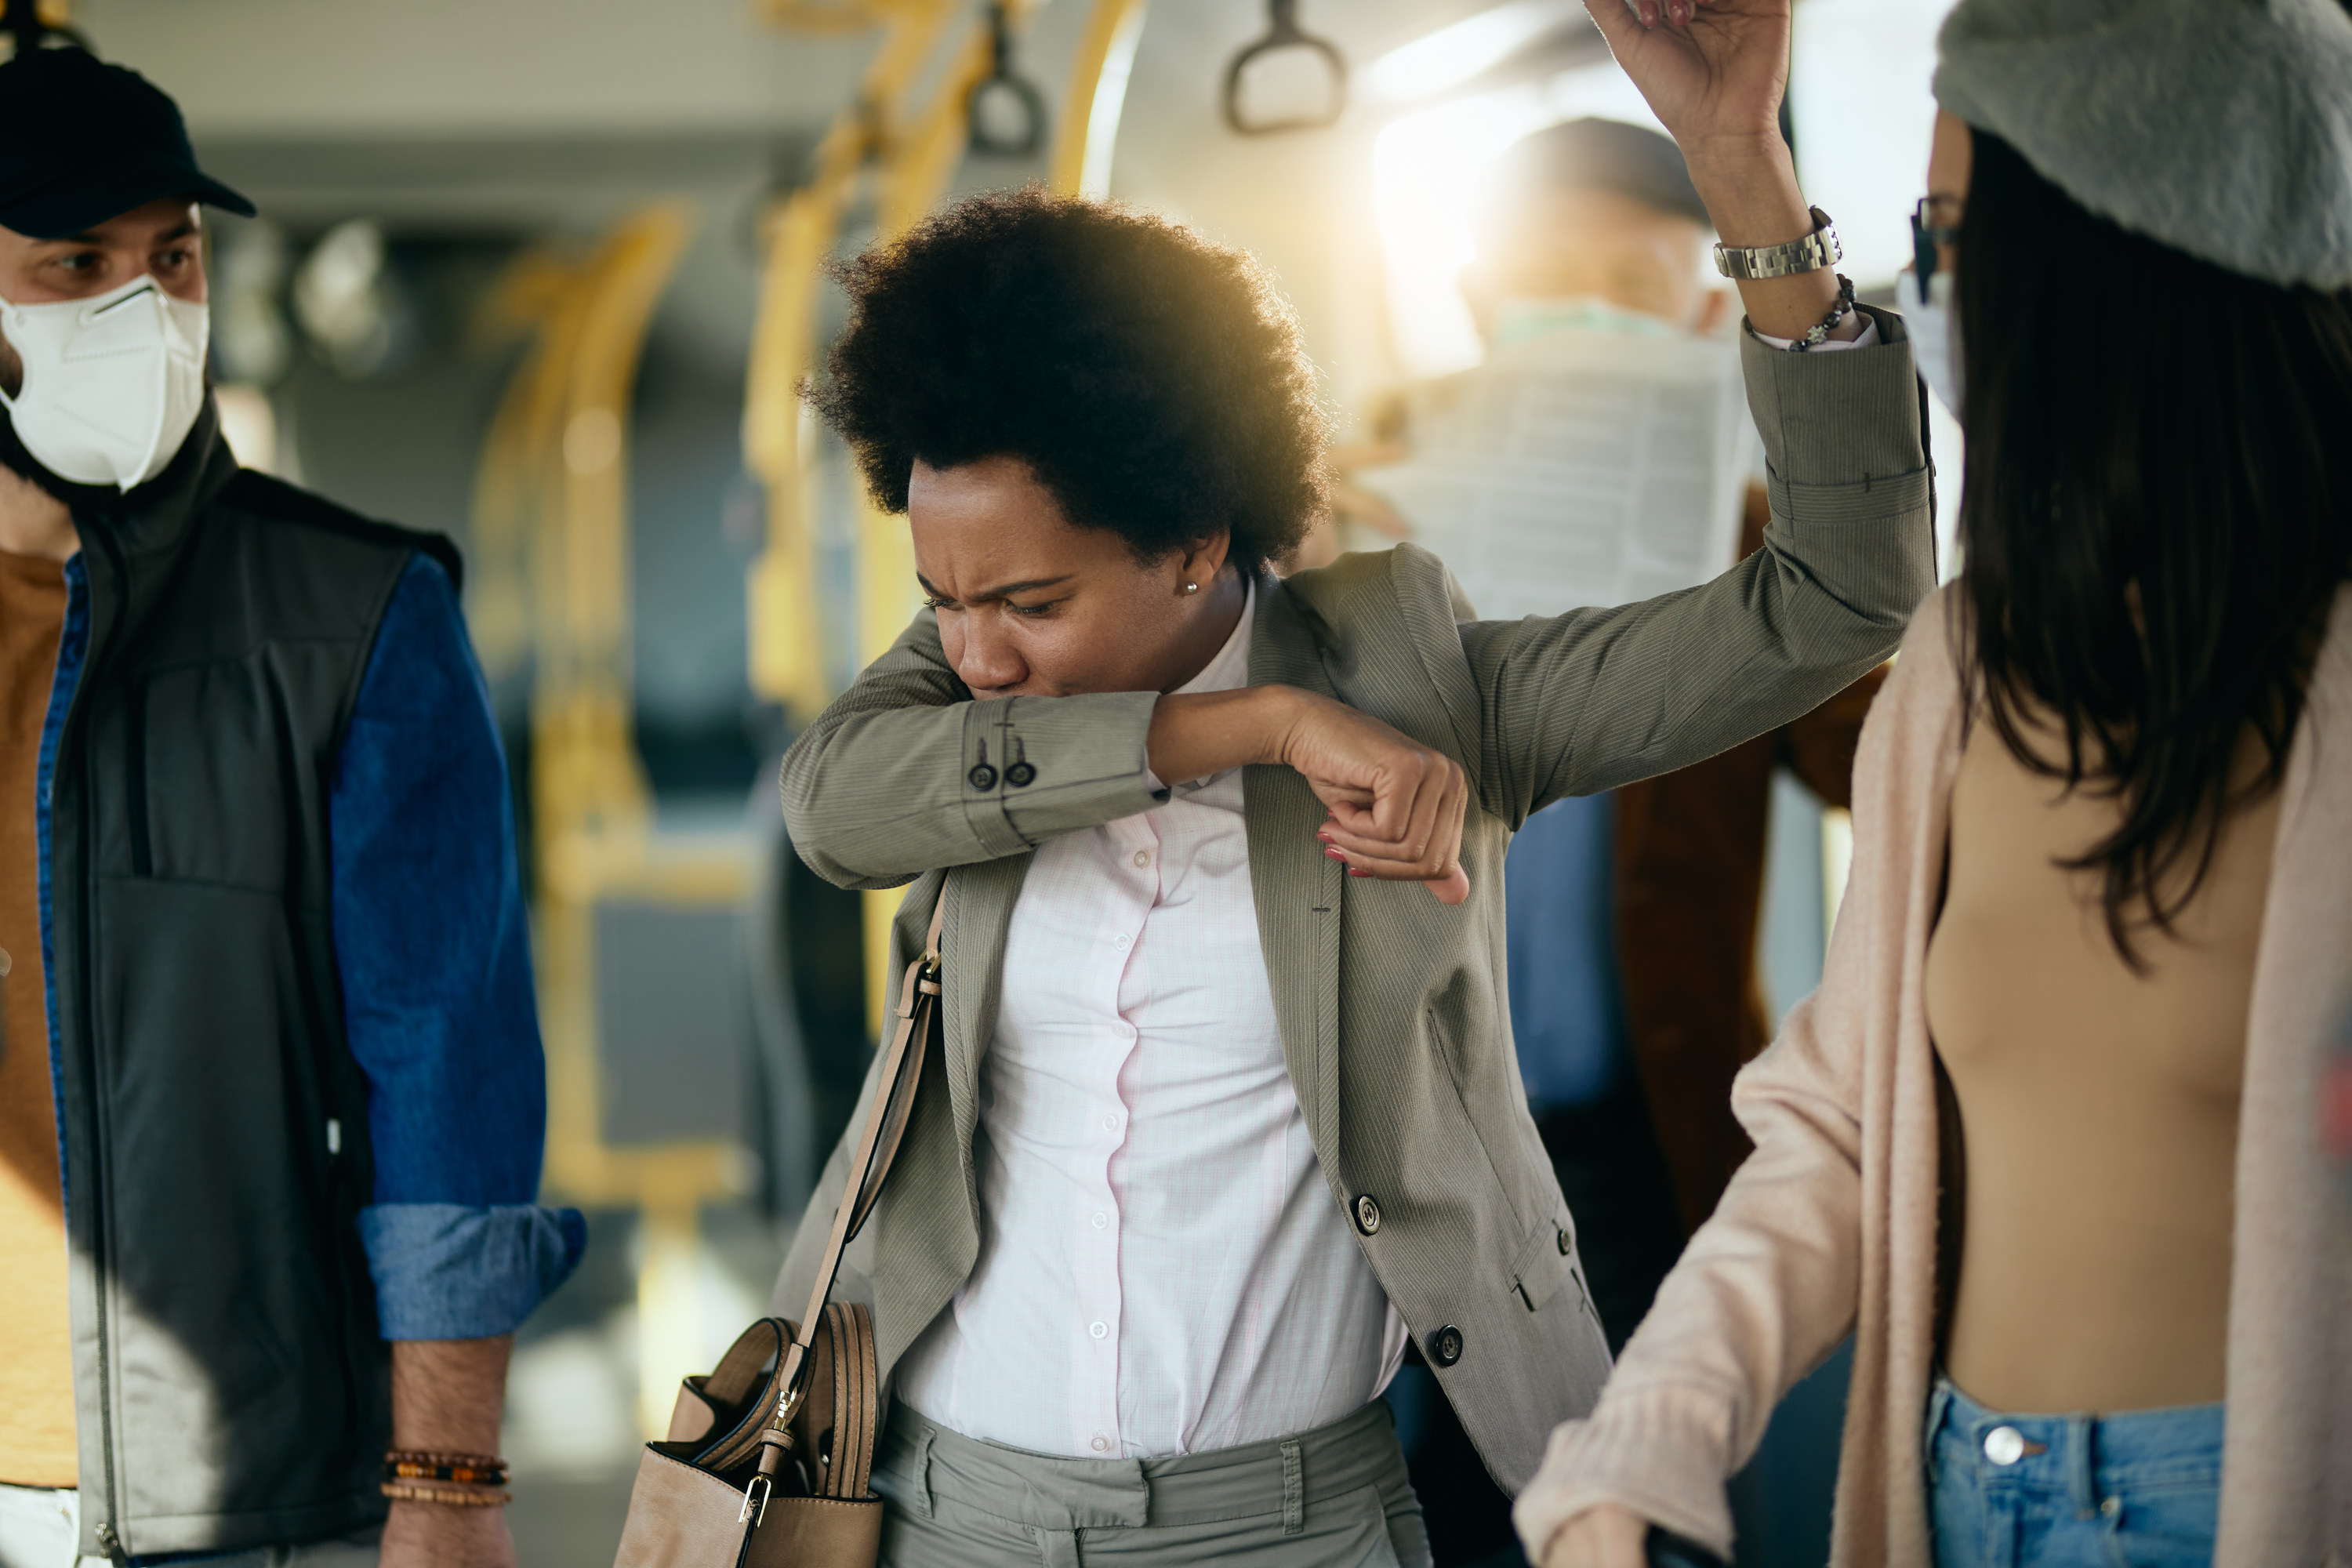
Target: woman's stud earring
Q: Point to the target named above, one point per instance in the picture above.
(1191, 587)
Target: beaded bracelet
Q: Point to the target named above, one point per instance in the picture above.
(1839, 309)
(471, 1469)
(404, 1491)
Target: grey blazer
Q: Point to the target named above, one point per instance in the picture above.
(1392, 1008)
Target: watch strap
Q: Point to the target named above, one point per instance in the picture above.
(1810, 254)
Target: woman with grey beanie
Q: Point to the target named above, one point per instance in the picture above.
(2044, 1141)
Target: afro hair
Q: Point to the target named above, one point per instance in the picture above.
(1156, 383)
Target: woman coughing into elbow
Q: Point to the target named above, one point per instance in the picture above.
(1229, 1114)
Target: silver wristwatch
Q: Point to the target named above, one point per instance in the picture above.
(1814, 252)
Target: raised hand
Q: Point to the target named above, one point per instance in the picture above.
(1711, 69)
(1714, 71)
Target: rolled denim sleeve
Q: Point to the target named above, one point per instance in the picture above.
(434, 960)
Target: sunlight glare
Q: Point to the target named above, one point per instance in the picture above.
(1426, 169)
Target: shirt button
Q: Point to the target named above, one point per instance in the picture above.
(1143, 857)
(1367, 1215)
(2004, 1445)
(1102, 1444)
(1121, 941)
(1101, 1220)
(1110, 1123)
(1098, 1329)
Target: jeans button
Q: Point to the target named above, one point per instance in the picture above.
(2004, 1445)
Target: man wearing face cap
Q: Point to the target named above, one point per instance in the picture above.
(271, 1098)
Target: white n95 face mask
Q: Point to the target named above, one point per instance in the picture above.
(112, 385)
(1935, 333)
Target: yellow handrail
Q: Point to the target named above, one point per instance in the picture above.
(1084, 140)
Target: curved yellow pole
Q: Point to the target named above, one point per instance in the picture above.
(1088, 130)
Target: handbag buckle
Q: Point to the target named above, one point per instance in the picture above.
(755, 1501)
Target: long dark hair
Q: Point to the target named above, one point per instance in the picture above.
(2156, 515)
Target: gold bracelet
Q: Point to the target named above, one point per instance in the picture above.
(456, 1497)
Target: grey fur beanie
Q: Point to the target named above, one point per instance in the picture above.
(2221, 127)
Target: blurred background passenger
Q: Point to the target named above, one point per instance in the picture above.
(2043, 1140)
(1632, 914)
(270, 1085)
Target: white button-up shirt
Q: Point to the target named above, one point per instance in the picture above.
(1162, 1269)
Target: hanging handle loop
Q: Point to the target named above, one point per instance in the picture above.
(1283, 32)
(1003, 82)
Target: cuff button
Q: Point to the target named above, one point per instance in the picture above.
(1020, 776)
(981, 776)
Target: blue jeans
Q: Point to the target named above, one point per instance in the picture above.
(2137, 1490)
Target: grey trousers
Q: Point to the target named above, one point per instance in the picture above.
(1333, 1497)
(40, 1527)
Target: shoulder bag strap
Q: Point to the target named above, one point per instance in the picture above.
(878, 1146)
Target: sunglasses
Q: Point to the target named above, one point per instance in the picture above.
(1925, 236)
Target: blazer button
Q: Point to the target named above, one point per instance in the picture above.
(981, 776)
(1020, 776)
(1367, 1215)
(1446, 1345)
(1565, 1243)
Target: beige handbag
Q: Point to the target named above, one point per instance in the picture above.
(768, 1458)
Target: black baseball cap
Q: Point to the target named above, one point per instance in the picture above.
(82, 141)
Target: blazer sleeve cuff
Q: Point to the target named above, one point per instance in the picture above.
(1036, 767)
(1840, 431)
(1662, 1452)
(451, 1271)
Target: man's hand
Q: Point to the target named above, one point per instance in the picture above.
(442, 1535)
(1602, 1536)
(446, 1399)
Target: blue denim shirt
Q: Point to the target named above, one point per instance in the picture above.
(433, 957)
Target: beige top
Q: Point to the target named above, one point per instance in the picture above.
(1830, 1226)
(2098, 1104)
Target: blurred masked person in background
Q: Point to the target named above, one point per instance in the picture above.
(1600, 455)
(2043, 1141)
(270, 1085)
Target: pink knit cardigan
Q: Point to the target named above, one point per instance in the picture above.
(1830, 1226)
